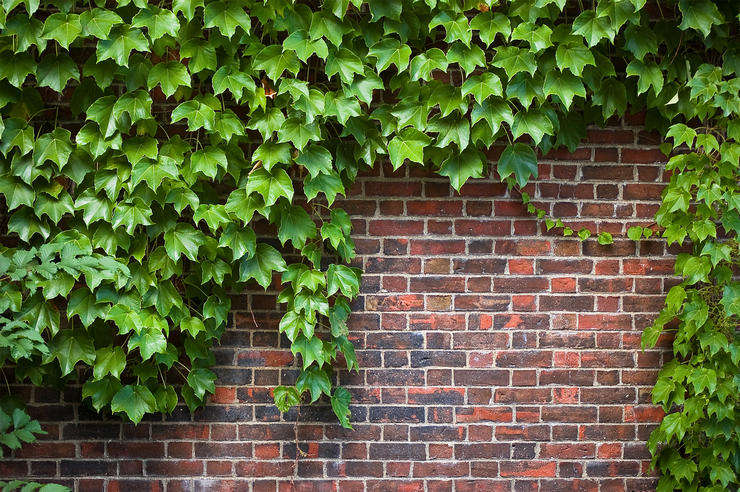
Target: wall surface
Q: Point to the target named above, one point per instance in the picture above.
(494, 356)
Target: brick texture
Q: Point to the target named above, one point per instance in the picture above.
(494, 356)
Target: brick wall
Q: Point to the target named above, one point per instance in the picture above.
(494, 356)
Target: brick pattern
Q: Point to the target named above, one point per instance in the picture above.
(495, 356)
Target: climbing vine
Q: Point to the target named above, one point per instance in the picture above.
(143, 145)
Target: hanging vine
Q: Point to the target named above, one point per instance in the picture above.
(141, 143)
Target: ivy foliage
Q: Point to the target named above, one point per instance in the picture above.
(142, 144)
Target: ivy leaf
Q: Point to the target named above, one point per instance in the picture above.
(98, 22)
(481, 86)
(514, 60)
(294, 323)
(241, 241)
(460, 167)
(63, 28)
(340, 405)
(137, 148)
(187, 7)
(455, 25)
(208, 160)
(731, 299)
(120, 45)
(286, 397)
(126, 318)
(101, 112)
(270, 153)
(201, 55)
(389, 52)
(109, 360)
(202, 381)
(345, 63)
(681, 134)
(424, 64)
(296, 225)
(565, 85)
(149, 341)
(226, 17)
(520, 160)
(183, 239)
(409, 144)
(233, 80)
(299, 132)
(311, 350)
(260, 266)
(83, 304)
(489, 25)
(16, 68)
(538, 37)
(199, 115)
(136, 104)
(134, 401)
(574, 58)
(214, 215)
(70, 347)
(700, 15)
(593, 27)
(315, 381)
(158, 22)
(170, 75)
(316, 159)
(271, 186)
(154, 172)
(101, 392)
(329, 184)
(451, 129)
(649, 75)
(533, 123)
(55, 71)
(54, 146)
(274, 61)
(343, 278)
(492, 111)
(16, 192)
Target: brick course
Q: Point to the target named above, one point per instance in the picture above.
(494, 355)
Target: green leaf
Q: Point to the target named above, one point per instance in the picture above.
(101, 392)
(286, 397)
(538, 37)
(593, 27)
(490, 24)
(574, 58)
(64, 28)
(345, 63)
(214, 215)
(134, 401)
(520, 160)
(315, 381)
(82, 303)
(424, 64)
(460, 167)
(328, 184)
(226, 17)
(154, 172)
(389, 52)
(296, 225)
(311, 350)
(241, 241)
(274, 61)
(16, 68)
(98, 22)
(455, 25)
(700, 15)
(235, 81)
(316, 159)
(183, 239)
(121, 43)
(70, 347)
(293, 323)
(649, 75)
(54, 146)
(731, 299)
(56, 71)
(170, 75)
(343, 278)
(271, 153)
(158, 22)
(533, 123)
(481, 86)
(514, 60)
(299, 132)
(109, 360)
(681, 134)
(605, 238)
(340, 405)
(202, 381)
(260, 266)
(137, 148)
(493, 112)
(409, 144)
(198, 115)
(149, 341)
(208, 160)
(565, 85)
(271, 186)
